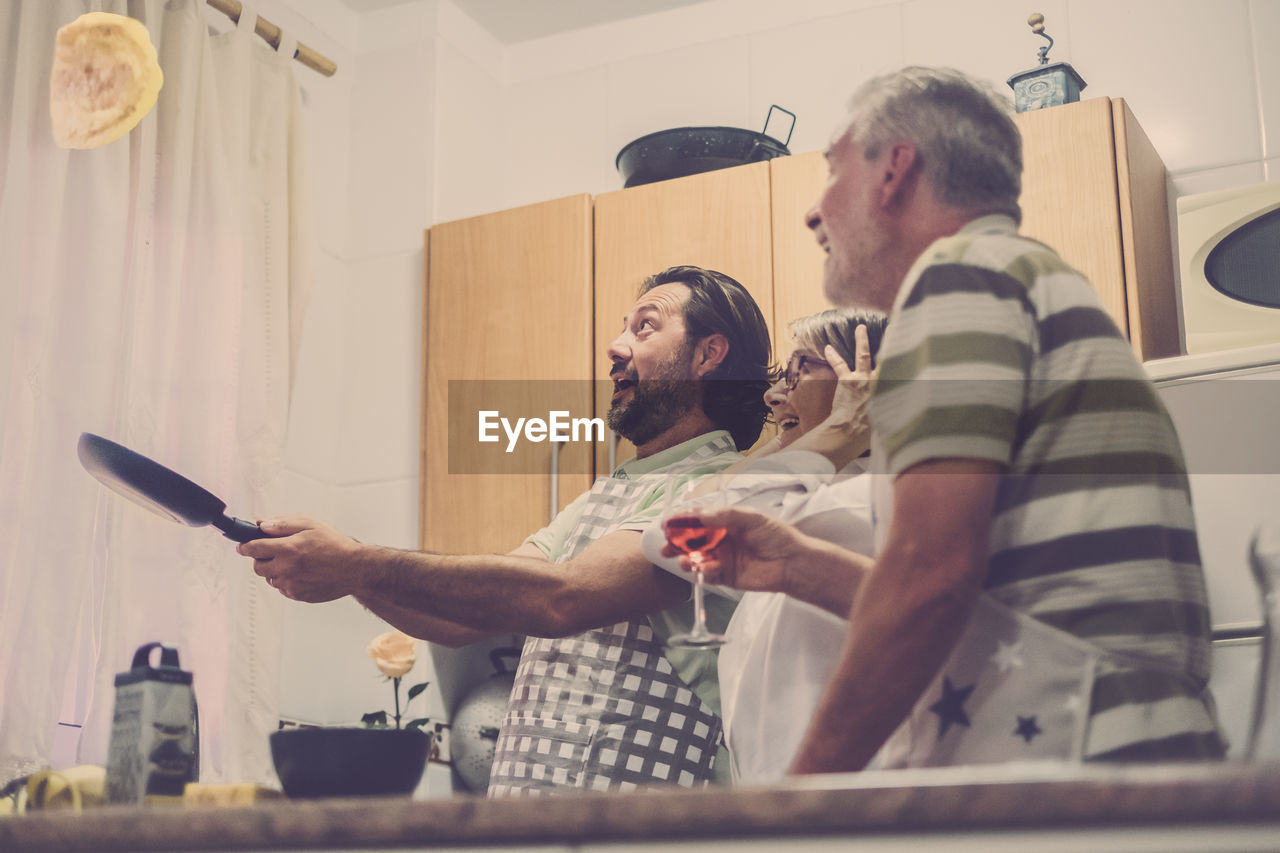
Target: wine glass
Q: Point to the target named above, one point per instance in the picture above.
(696, 540)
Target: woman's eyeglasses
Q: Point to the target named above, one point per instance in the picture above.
(795, 364)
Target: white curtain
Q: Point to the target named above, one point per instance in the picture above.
(152, 292)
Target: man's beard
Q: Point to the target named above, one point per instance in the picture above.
(658, 403)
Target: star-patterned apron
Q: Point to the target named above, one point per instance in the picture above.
(1017, 689)
(604, 710)
(1014, 689)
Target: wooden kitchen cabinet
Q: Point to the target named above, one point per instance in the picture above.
(1093, 188)
(508, 318)
(718, 220)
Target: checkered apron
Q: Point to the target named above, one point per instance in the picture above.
(604, 710)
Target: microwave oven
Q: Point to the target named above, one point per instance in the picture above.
(1229, 259)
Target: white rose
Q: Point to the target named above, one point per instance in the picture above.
(393, 652)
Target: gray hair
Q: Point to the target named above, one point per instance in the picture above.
(970, 149)
(835, 326)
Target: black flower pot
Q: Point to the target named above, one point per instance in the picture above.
(349, 762)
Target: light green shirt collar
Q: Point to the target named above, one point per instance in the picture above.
(634, 468)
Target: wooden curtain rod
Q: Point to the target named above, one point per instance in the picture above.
(271, 34)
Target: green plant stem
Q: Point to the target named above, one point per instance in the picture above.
(397, 692)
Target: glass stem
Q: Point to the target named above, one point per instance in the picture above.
(699, 606)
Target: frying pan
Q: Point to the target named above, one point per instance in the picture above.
(160, 490)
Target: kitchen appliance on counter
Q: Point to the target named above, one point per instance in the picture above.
(685, 151)
(154, 750)
(474, 730)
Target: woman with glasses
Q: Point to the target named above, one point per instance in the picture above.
(802, 397)
(781, 650)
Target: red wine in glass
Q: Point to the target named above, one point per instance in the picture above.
(694, 538)
(689, 534)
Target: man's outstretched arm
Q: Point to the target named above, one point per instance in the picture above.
(484, 594)
(418, 624)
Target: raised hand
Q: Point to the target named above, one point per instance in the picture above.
(849, 406)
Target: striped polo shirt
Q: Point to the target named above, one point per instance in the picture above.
(998, 350)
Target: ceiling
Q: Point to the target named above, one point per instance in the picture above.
(512, 21)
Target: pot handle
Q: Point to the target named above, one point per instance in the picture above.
(792, 130)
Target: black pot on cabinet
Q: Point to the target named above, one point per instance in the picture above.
(686, 151)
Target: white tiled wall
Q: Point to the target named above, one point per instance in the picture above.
(392, 114)
(1187, 69)
(378, 438)
(707, 85)
(471, 131)
(555, 127)
(1198, 73)
(312, 439)
(988, 39)
(430, 119)
(803, 67)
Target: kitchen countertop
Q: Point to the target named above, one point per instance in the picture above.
(1221, 797)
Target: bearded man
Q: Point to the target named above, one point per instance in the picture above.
(599, 703)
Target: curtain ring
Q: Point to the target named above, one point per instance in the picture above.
(288, 47)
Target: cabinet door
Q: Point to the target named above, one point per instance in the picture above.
(1069, 193)
(1146, 239)
(717, 220)
(1094, 189)
(508, 329)
(797, 257)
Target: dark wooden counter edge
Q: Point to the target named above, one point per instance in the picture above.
(1183, 795)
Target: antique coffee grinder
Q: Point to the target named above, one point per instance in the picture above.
(1050, 84)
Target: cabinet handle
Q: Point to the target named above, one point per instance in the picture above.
(555, 478)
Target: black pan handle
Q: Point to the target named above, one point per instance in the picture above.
(239, 530)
